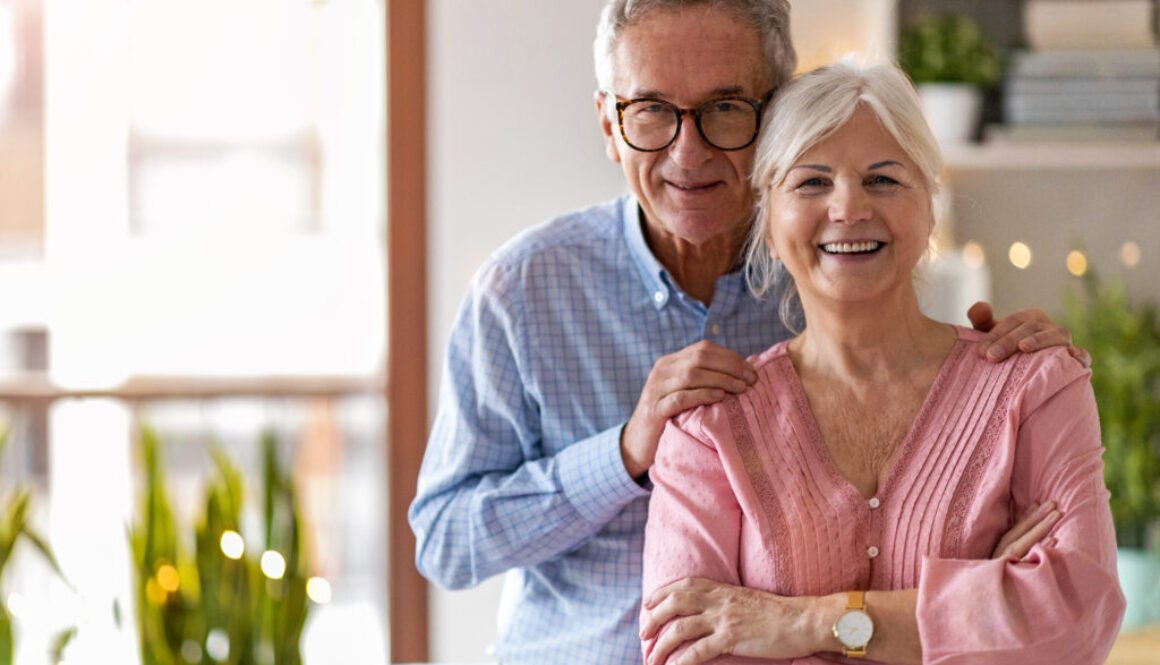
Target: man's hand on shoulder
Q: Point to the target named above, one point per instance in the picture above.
(701, 373)
(1026, 330)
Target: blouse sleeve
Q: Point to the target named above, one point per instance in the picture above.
(694, 517)
(1059, 604)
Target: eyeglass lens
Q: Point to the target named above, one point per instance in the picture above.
(727, 124)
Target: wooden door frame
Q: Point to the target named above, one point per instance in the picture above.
(406, 386)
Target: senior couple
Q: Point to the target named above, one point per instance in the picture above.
(878, 485)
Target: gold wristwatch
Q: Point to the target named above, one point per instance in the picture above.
(855, 627)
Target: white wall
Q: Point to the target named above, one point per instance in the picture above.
(513, 140)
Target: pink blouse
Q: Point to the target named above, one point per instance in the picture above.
(746, 493)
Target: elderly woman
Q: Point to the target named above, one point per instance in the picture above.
(851, 500)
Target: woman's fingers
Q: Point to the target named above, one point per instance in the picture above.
(1036, 523)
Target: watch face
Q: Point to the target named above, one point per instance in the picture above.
(854, 629)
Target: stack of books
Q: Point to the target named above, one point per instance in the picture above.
(1092, 71)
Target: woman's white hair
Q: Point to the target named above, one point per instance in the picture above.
(770, 18)
(805, 112)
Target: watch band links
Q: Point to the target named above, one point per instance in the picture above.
(855, 600)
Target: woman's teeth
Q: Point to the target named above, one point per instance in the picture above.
(851, 247)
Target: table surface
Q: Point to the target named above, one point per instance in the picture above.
(1141, 647)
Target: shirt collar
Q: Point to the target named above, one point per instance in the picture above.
(652, 273)
(657, 280)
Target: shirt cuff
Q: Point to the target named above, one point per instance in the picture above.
(594, 479)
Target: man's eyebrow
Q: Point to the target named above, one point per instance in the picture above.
(726, 91)
(885, 162)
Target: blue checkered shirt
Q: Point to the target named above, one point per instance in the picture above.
(523, 474)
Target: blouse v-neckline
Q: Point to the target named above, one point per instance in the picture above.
(903, 453)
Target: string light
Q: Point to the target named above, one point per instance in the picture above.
(1130, 254)
(1076, 263)
(1020, 255)
(973, 254)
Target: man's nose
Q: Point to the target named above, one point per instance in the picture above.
(690, 149)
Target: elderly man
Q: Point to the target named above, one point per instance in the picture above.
(580, 338)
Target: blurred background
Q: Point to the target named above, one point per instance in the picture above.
(194, 223)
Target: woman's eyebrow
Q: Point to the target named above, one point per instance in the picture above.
(815, 167)
(888, 162)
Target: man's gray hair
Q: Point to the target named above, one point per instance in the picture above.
(804, 113)
(770, 18)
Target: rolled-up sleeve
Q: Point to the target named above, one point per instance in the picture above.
(1059, 604)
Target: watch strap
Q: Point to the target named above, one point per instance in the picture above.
(855, 600)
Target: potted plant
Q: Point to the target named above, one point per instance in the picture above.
(15, 528)
(220, 599)
(1124, 341)
(951, 62)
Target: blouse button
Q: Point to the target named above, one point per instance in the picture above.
(716, 329)
(873, 551)
(874, 502)
(659, 296)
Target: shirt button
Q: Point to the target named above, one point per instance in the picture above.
(659, 296)
(874, 502)
(873, 551)
(716, 329)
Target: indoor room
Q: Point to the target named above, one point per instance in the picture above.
(236, 238)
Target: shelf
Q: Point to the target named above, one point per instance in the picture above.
(1077, 155)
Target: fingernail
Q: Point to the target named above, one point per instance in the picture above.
(1050, 542)
(994, 353)
(1053, 516)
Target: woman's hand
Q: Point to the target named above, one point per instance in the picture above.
(1031, 529)
(714, 619)
(1026, 330)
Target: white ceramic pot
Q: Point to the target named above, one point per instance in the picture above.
(1139, 572)
(953, 110)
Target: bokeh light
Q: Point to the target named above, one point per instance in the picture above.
(273, 565)
(167, 578)
(1076, 263)
(318, 590)
(1020, 255)
(1130, 254)
(232, 544)
(973, 255)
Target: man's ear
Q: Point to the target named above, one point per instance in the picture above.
(606, 113)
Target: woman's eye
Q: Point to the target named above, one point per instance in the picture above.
(881, 180)
(811, 182)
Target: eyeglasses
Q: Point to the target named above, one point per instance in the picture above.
(726, 123)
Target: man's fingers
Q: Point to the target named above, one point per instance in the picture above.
(1081, 354)
(982, 316)
(674, 403)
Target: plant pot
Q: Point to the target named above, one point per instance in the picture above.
(1140, 579)
(953, 110)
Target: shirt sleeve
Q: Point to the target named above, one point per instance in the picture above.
(694, 517)
(488, 498)
(1058, 604)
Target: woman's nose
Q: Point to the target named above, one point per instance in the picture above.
(849, 204)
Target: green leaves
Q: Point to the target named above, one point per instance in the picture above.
(223, 608)
(14, 529)
(948, 48)
(1124, 341)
